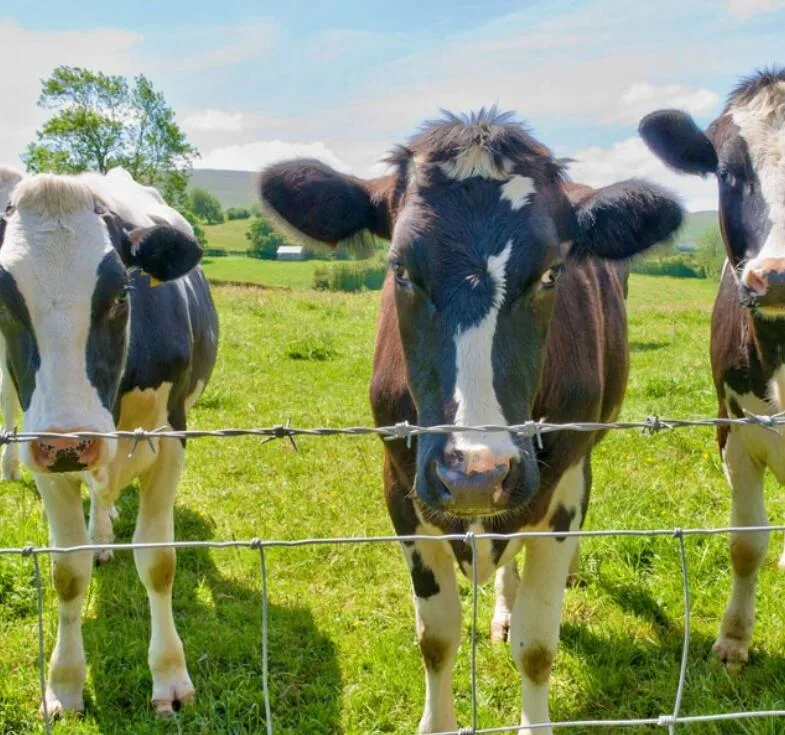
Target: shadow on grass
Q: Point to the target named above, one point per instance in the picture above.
(635, 676)
(647, 346)
(218, 615)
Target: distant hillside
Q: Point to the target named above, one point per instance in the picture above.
(231, 188)
(696, 224)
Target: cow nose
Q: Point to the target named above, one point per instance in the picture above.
(766, 280)
(475, 483)
(65, 455)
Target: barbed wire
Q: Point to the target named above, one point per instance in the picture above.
(650, 426)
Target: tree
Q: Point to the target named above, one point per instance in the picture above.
(203, 204)
(264, 240)
(101, 121)
(710, 252)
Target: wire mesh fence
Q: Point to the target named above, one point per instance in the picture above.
(405, 431)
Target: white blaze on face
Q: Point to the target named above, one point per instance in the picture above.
(761, 124)
(475, 397)
(52, 250)
(517, 191)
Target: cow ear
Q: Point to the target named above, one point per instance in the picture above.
(674, 138)
(623, 219)
(163, 252)
(316, 204)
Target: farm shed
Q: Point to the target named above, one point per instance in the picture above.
(290, 252)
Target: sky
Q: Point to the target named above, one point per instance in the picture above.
(253, 82)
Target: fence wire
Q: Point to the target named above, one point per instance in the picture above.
(405, 431)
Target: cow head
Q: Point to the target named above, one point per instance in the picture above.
(480, 229)
(745, 149)
(65, 307)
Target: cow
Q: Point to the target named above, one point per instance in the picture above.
(744, 148)
(501, 305)
(109, 325)
(9, 404)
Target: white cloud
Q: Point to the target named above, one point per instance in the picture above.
(214, 121)
(256, 155)
(630, 158)
(748, 8)
(642, 97)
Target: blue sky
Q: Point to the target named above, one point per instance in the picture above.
(254, 81)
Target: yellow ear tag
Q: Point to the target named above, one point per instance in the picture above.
(154, 281)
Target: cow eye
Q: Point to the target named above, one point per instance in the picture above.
(122, 297)
(401, 273)
(725, 176)
(549, 278)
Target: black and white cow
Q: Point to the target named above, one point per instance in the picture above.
(9, 404)
(745, 149)
(92, 346)
(501, 306)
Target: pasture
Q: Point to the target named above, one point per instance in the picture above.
(343, 654)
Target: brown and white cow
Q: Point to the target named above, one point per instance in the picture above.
(745, 149)
(499, 307)
(92, 346)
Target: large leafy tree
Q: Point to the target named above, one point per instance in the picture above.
(101, 121)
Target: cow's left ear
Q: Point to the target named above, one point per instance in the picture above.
(163, 252)
(623, 219)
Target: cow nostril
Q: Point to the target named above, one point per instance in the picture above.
(756, 281)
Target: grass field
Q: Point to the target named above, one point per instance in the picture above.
(343, 654)
(272, 273)
(229, 235)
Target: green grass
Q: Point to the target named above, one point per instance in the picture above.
(229, 235)
(343, 654)
(273, 273)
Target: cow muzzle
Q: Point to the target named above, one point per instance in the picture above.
(66, 454)
(763, 284)
(478, 483)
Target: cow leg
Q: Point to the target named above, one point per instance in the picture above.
(438, 612)
(71, 576)
(101, 531)
(536, 617)
(506, 586)
(747, 550)
(781, 562)
(171, 682)
(10, 407)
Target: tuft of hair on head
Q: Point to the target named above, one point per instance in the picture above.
(53, 196)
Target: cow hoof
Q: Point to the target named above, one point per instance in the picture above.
(12, 473)
(58, 705)
(103, 557)
(180, 695)
(500, 629)
(733, 652)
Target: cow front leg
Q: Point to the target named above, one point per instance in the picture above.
(747, 550)
(534, 629)
(506, 586)
(437, 609)
(171, 683)
(71, 574)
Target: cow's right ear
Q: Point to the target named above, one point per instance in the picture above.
(312, 202)
(677, 141)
